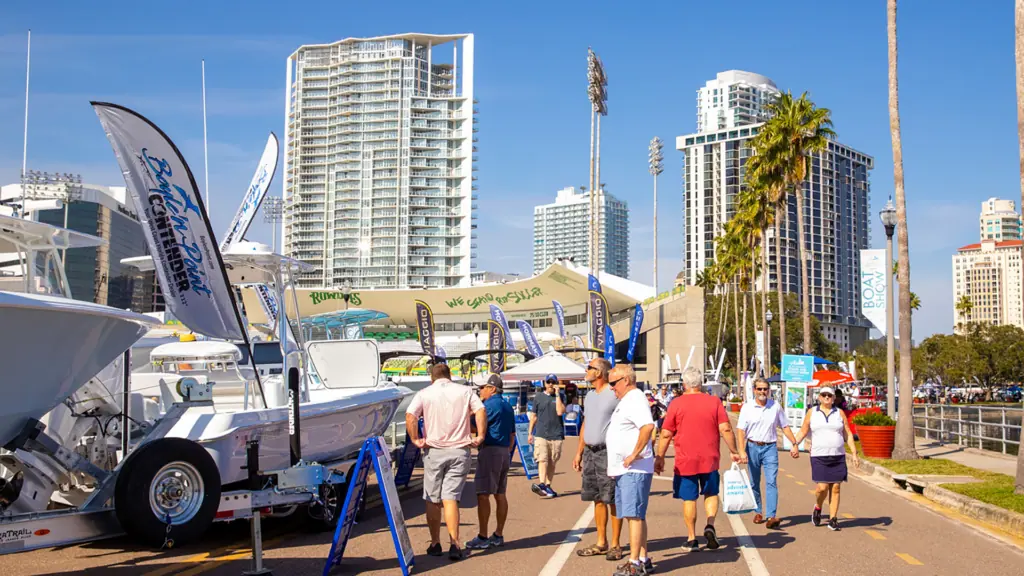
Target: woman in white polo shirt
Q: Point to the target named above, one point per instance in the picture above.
(828, 430)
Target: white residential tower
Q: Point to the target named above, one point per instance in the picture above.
(560, 231)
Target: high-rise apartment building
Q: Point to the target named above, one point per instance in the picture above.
(379, 161)
(734, 98)
(560, 231)
(836, 207)
(989, 275)
(999, 220)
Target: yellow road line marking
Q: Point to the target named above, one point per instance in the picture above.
(874, 535)
(909, 559)
(790, 476)
(798, 483)
(211, 563)
(206, 557)
(812, 491)
(847, 516)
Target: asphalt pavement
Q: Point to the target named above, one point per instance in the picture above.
(883, 532)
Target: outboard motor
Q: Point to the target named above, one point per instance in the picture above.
(10, 489)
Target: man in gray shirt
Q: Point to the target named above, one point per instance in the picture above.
(546, 434)
(592, 460)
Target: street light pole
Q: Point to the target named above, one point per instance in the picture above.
(888, 217)
(768, 344)
(596, 82)
(656, 167)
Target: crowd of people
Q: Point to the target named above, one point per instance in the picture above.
(625, 436)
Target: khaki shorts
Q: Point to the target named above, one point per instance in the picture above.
(549, 451)
(444, 473)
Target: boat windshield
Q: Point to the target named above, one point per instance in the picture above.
(46, 274)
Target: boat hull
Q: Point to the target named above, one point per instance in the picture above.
(332, 427)
(54, 346)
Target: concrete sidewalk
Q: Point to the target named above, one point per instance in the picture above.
(980, 459)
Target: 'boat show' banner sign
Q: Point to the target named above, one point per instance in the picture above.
(873, 286)
(560, 314)
(178, 233)
(532, 345)
(254, 195)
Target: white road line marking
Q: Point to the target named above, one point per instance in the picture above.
(669, 478)
(564, 550)
(750, 554)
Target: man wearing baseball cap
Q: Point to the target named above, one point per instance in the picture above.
(492, 462)
(547, 434)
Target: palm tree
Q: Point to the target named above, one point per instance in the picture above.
(796, 130)
(707, 281)
(904, 449)
(964, 307)
(765, 174)
(1018, 20)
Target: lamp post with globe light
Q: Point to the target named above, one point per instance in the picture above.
(768, 343)
(888, 217)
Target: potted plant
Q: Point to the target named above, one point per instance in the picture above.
(734, 403)
(877, 434)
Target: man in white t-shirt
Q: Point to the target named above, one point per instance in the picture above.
(631, 463)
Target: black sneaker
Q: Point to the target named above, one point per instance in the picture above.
(648, 566)
(539, 490)
(691, 546)
(833, 524)
(816, 517)
(435, 550)
(712, 537)
(455, 553)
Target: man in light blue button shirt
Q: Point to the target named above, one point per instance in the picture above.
(757, 438)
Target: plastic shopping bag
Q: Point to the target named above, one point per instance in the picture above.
(739, 497)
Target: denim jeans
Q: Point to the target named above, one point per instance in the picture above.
(764, 458)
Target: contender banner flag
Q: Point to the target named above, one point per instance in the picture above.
(177, 230)
(498, 315)
(560, 315)
(634, 331)
(425, 327)
(254, 195)
(495, 341)
(532, 345)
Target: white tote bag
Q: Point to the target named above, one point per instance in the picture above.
(738, 497)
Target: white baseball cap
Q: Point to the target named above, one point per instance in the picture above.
(826, 389)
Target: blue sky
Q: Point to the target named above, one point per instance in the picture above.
(956, 89)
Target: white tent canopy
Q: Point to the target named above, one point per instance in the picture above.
(550, 363)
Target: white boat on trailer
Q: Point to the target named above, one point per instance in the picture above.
(185, 471)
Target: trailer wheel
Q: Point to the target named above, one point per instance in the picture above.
(167, 493)
(324, 517)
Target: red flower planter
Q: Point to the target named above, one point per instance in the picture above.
(877, 441)
(735, 407)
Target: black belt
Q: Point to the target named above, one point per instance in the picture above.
(761, 443)
(597, 446)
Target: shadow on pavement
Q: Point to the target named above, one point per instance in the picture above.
(789, 521)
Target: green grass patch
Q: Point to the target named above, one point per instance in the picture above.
(995, 489)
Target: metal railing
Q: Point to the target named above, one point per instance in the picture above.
(995, 428)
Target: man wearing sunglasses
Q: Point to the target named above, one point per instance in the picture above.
(592, 461)
(757, 438)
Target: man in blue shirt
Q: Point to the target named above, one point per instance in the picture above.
(493, 462)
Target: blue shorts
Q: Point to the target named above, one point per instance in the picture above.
(632, 491)
(691, 487)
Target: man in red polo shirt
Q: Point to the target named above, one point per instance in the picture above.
(696, 420)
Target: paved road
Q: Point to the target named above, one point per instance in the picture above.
(883, 533)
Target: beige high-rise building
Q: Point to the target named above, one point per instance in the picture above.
(989, 275)
(999, 220)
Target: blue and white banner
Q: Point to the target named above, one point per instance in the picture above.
(634, 331)
(442, 353)
(609, 344)
(171, 211)
(873, 285)
(532, 345)
(560, 315)
(254, 195)
(498, 315)
(269, 303)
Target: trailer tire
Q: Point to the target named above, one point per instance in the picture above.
(171, 478)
